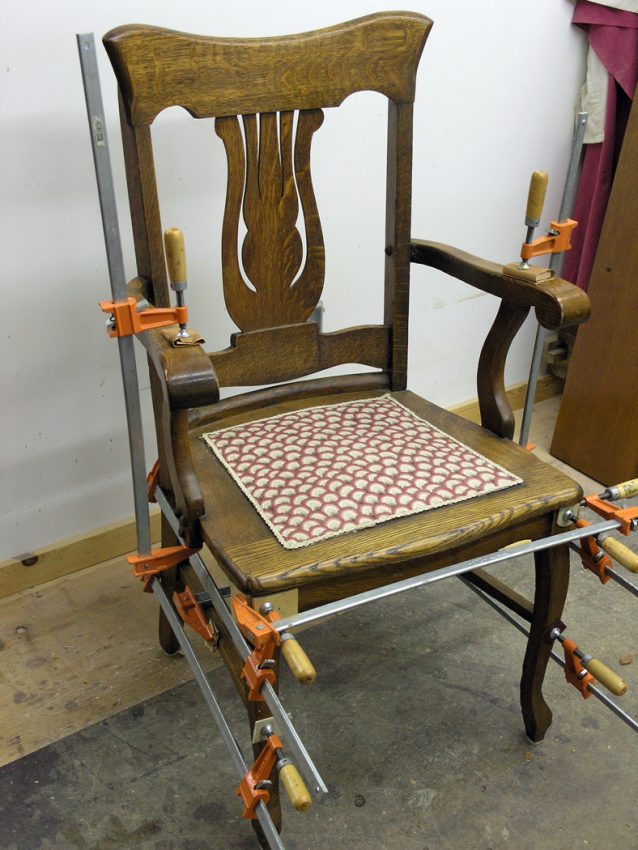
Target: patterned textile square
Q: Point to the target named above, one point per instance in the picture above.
(328, 470)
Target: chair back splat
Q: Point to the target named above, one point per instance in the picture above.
(267, 97)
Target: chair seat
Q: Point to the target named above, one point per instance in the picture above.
(248, 551)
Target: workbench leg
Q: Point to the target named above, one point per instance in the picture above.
(552, 580)
(170, 582)
(257, 711)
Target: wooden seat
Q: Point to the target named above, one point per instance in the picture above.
(267, 97)
(258, 564)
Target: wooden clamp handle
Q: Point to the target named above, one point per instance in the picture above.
(300, 665)
(536, 198)
(175, 255)
(626, 489)
(606, 677)
(619, 552)
(295, 787)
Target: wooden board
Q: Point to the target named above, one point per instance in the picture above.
(598, 421)
(547, 386)
(76, 651)
(68, 556)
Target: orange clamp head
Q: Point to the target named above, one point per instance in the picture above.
(592, 557)
(575, 673)
(191, 613)
(557, 242)
(147, 567)
(264, 637)
(259, 772)
(127, 321)
(608, 510)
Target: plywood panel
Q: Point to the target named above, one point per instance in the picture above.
(597, 427)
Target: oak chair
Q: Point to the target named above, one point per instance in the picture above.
(267, 98)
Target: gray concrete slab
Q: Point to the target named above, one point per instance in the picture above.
(414, 723)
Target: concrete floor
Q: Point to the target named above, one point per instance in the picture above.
(413, 722)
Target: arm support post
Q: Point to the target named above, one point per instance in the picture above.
(557, 304)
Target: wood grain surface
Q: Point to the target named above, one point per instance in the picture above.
(254, 560)
(157, 68)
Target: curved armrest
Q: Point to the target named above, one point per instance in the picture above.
(181, 377)
(184, 370)
(557, 302)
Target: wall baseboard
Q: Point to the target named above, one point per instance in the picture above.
(69, 556)
(547, 386)
(110, 541)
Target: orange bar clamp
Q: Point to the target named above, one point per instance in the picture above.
(127, 321)
(558, 240)
(592, 557)
(191, 613)
(260, 632)
(627, 517)
(248, 788)
(146, 567)
(575, 673)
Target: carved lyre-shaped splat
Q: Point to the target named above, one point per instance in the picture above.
(262, 175)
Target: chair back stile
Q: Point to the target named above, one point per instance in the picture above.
(267, 97)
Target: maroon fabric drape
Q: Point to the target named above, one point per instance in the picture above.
(613, 35)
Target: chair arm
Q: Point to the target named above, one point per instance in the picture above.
(185, 371)
(181, 377)
(557, 302)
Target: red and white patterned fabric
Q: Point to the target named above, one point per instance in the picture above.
(316, 473)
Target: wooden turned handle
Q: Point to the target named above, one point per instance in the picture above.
(295, 787)
(299, 663)
(626, 489)
(619, 552)
(606, 677)
(175, 255)
(536, 198)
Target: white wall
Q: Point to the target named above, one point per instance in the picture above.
(494, 102)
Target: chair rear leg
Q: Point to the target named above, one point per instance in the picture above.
(552, 580)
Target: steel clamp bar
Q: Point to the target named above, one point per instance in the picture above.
(295, 744)
(340, 606)
(108, 209)
(263, 815)
(556, 264)
(613, 706)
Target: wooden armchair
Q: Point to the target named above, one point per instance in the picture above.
(267, 98)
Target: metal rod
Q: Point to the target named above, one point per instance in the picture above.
(556, 264)
(302, 757)
(617, 577)
(342, 605)
(261, 810)
(115, 260)
(613, 706)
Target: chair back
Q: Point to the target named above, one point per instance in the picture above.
(267, 97)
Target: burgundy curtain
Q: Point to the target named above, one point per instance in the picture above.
(613, 35)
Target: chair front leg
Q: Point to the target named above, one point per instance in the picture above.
(552, 580)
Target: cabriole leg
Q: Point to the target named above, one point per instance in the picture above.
(552, 580)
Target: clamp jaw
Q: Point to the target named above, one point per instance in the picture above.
(256, 783)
